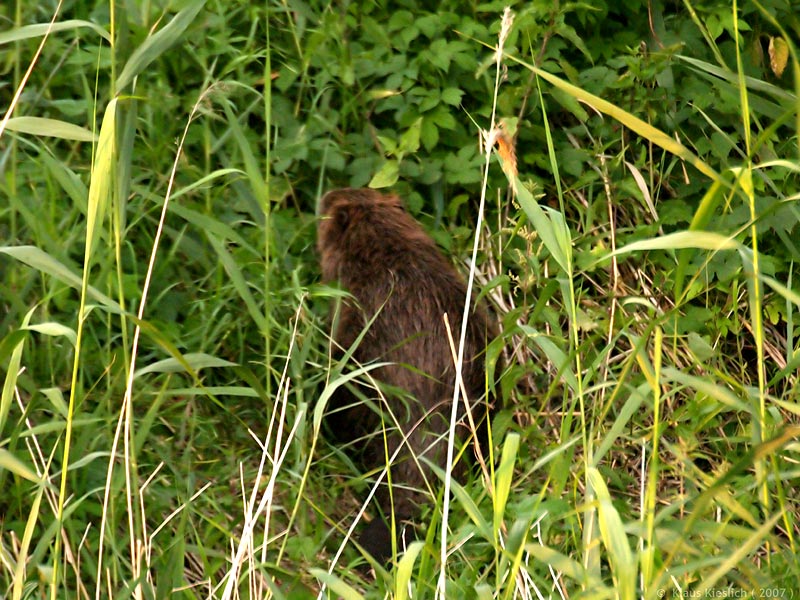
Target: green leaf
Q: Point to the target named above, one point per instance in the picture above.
(409, 141)
(720, 393)
(571, 104)
(66, 177)
(333, 385)
(388, 144)
(215, 390)
(213, 225)
(442, 117)
(386, 176)
(621, 423)
(50, 128)
(752, 83)
(452, 96)
(429, 135)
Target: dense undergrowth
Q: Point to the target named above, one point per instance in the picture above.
(160, 304)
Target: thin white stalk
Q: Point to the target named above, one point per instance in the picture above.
(488, 139)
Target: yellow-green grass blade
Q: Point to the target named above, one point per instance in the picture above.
(45, 127)
(612, 532)
(630, 121)
(405, 569)
(336, 585)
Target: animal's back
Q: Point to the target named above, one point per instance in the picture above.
(402, 283)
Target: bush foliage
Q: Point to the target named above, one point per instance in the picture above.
(164, 337)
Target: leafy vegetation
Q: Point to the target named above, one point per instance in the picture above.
(163, 335)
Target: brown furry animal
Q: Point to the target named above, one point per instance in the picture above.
(401, 282)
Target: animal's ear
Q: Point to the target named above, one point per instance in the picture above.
(330, 201)
(342, 217)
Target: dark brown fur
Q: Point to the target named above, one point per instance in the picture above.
(394, 270)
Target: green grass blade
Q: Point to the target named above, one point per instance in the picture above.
(789, 294)
(704, 240)
(69, 181)
(466, 501)
(239, 282)
(718, 392)
(12, 463)
(39, 29)
(333, 385)
(42, 261)
(22, 556)
(336, 585)
(50, 128)
(405, 569)
(504, 477)
(700, 220)
(630, 121)
(195, 360)
(550, 226)
(158, 43)
(612, 532)
(101, 182)
(55, 330)
(742, 552)
(12, 371)
(221, 230)
(618, 428)
(560, 562)
(100, 186)
(751, 82)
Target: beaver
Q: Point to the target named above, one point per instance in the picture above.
(400, 287)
